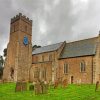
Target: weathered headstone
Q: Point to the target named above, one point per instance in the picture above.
(41, 88)
(21, 86)
(38, 88)
(18, 87)
(24, 86)
(56, 84)
(50, 84)
(44, 86)
(64, 83)
(97, 86)
(31, 87)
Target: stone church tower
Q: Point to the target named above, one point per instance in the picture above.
(19, 50)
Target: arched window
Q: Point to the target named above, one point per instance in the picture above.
(82, 66)
(66, 68)
(43, 73)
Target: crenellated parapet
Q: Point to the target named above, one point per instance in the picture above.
(22, 17)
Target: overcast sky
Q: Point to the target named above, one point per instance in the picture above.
(53, 20)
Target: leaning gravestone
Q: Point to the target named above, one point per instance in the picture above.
(18, 87)
(97, 86)
(38, 88)
(21, 86)
(44, 87)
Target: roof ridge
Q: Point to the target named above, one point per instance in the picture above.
(47, 48)
(80, 48)
(82, 40)
(50, 44)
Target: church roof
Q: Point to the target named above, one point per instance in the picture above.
(79, 48)
(48, 48)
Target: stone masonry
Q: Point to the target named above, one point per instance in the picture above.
(18, 61)
(76, 62)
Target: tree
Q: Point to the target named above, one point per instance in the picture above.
(1, 61)
(1, 66)
(35, 46)
(5, 52)
(1, 72)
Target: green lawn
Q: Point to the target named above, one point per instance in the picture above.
(72, 92)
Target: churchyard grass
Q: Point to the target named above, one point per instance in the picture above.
(71, 92)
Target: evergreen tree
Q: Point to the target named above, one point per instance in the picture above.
(1, 66)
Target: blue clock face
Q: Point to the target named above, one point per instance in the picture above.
(25, 41)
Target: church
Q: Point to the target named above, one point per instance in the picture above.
(77, 62)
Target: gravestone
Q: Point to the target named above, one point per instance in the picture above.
(41, 88)
(64, 83)
(18, 87)
(21, 86)
(44, 86)
(31, 87)
(38, 88)
(97, 86)
(50, 84)
(24, 86)
(56, 84)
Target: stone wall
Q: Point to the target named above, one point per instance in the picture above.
(96, 62)
(74, 70)
(19, 55)
(46, 66)
(48, 60)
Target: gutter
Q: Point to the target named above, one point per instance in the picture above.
(92, 70)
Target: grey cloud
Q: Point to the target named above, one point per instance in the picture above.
(5, 10)
(62, 19)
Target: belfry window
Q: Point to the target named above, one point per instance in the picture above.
(82, 66)
(66, 68)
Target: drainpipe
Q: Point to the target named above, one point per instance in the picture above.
(92, 70)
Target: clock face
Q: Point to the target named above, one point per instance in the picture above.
(25, 41)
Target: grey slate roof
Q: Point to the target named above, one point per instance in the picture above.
(48, 48)
(80, 48)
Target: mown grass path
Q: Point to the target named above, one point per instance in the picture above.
(72, 92)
